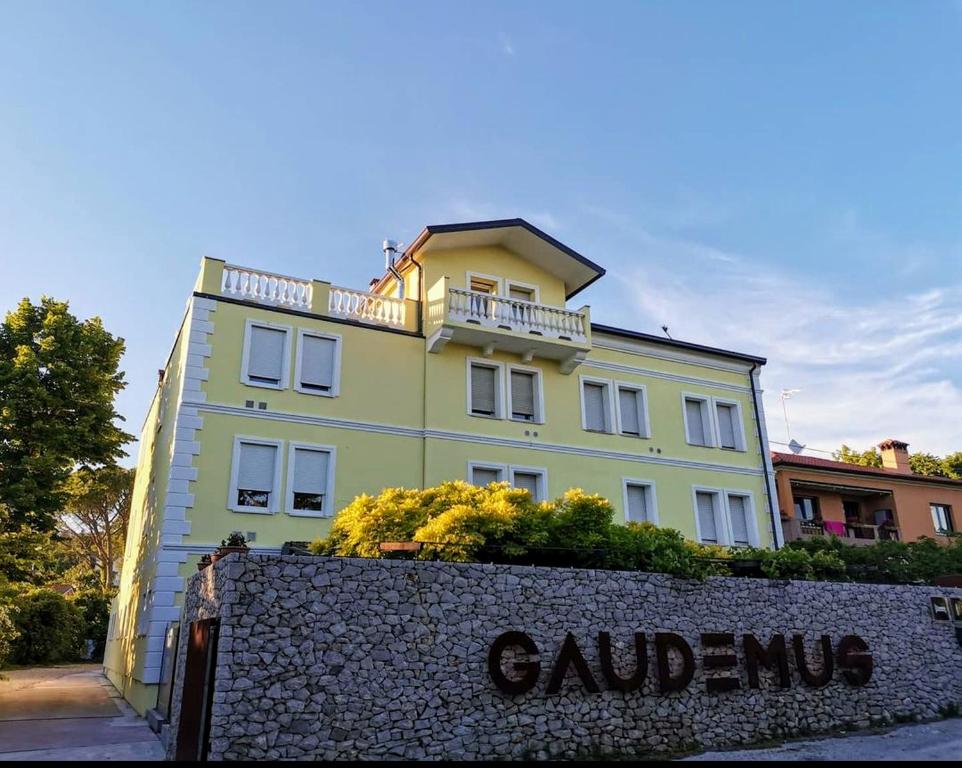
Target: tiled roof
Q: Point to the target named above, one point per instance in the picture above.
(812, 462)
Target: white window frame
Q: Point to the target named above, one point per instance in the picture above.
(539, 417)
(722, 526)
(331, 451)
(499, 398)
(752, 522)
(498, 282)
(644, 425)
(708, 418)
(948, 518)
(535, 290)
(542, 474)
(501, 469)
(273, 507)
(245, 355)
(651, 497)
(739, 423)
(609, 397)
(336, 373)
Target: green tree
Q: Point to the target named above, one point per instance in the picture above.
(927, 464)
(952, 463)
(32, 557)
(96, 515)
(868, 458)
(58, 380)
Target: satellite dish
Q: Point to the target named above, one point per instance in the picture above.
(796, 447)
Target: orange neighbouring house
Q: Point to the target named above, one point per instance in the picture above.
(861, 505)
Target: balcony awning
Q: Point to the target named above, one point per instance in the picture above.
(846, 490)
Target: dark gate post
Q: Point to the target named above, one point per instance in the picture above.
(193, 730)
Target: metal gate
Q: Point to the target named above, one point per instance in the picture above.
(193, 730)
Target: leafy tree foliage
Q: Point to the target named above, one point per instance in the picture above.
(953, 464)
(33, 558)
(927, 464)
(50, 628)
(869, 458)
(58, 379)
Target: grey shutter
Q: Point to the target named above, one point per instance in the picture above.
(706, 517)
(256, 467)
(726, 426)
(628, 405)
(483, 390)
(317, 362)
(738, 509)
(522, 395)
(637, 503)
(524, 294)
(265, 359)
(527, 481)
(696, 422)
(483, 476)
(595, 411)
(310, 470)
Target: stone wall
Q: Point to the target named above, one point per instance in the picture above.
(332, 658)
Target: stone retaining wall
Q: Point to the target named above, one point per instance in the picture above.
(333, 658)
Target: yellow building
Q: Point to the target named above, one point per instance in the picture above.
(285, 398)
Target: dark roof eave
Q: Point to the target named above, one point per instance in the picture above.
(639, 336)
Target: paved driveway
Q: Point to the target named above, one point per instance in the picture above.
(70, 713)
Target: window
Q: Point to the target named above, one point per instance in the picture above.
(266, 358)
(632, 411)
(484, 389)
(806, 508)
(595, 405)
(485, 474)
(255, 475)
(481, 305)
(739, 509)
(707, 508)
(310, 480)
(520, 293)
(318, 363)
(524, 395)
(725, 414)
(697, 420)
(725, 517)
(639, 499)
(942, 518)
(535, 481)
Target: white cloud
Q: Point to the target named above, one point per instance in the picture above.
(507, 47)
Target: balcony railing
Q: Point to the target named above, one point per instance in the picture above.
(855, 533)
(266, 287)
(516, 315)
(367, 307)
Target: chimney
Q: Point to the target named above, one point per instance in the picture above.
(895, 455)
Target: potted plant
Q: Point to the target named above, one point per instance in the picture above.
(204, 562)
(233, 543)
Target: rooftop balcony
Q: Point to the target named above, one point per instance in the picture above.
(492, 322)
(314, 297)
(855, 534)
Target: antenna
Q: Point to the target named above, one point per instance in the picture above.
(665, 329)
(786, 396)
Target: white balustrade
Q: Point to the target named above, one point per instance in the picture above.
(516, 315)
(266, 288)
(366, 307)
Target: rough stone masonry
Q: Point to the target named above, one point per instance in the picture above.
(340, 658)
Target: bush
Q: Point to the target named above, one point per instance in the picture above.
(789, 564)
(50, 628)
(94, 608)
(8, 635)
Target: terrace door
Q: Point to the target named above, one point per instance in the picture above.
(193, 730)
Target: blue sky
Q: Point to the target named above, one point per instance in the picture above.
(779, 178)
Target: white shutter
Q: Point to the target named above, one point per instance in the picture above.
(310, 470)
(726, 425)
(527, 481)
(265, 358)
(595, 411)
(483, 390)
(738, 509)
(256, 469)
(317, 362)
(696, 422)
(484, 476)
(637, 503)
(628, 405)
(706, 517)
(522, 395)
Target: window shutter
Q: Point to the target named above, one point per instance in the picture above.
(706, 517)
(595, 411)
(726, 425)
(256, 470)
(265, 359)
(524, 294)
(317, 362)
(522, 395)
(527, 481)
(310, 470)
(484, 476)
(738, 509)
(483, 390)
(696, 422)
(637, 503)
(628, 405)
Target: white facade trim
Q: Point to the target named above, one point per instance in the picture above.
(650, 373)
(651, 497)
(639, 347)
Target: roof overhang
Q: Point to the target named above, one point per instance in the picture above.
(516, 235)
(846, 490)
